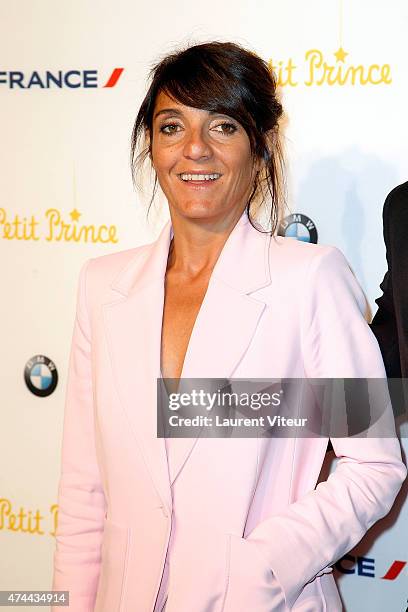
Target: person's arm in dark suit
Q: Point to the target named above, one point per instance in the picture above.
(384, 323)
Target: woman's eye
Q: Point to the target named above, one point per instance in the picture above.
(226, 127)
(169, 128)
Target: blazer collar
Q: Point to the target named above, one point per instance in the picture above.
(243, 263)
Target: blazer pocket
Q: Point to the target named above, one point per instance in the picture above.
(114, 561)
(250, 583)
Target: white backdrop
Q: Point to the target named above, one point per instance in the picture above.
(64, 155)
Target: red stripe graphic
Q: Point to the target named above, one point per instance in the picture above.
(395, 570)
(114, 77)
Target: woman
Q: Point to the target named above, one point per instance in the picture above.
(231, 525)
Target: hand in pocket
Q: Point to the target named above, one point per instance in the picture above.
(251, 584)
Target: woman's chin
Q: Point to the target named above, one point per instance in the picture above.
(202, 210)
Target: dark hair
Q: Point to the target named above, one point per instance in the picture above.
(226, 78)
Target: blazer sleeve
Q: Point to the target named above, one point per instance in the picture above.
(81, 497)
(327, 522)
(384, 323)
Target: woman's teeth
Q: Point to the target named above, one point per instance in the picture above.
(199, 177)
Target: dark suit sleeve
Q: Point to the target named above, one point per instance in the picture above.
(384, 323)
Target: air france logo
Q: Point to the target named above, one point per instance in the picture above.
(363, 566)
(40, 375)
(298, 226)
(58, 79)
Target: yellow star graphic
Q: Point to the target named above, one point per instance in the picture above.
(75, 214)
(340, 55)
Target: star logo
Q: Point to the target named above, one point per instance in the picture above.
(340, 55)
(75, 214)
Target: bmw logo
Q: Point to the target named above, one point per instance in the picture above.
(40, 375)
(298, 226)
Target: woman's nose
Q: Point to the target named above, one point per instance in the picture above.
(196, 145)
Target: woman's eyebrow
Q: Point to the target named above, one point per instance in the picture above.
(171, 111)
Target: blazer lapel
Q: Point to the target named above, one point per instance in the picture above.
(133, 326)
(227, 319)
(229, 315)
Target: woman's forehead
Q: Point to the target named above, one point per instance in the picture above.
(164, 103)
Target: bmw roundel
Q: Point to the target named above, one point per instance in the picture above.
(40, 375)
(298, 226)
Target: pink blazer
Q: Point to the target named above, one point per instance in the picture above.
(250, 530)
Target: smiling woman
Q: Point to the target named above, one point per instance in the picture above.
(218, 105)
(194, 524)
(216, 151)
(203, 161)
